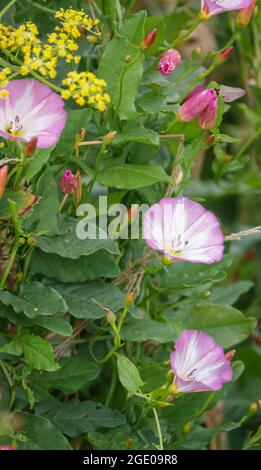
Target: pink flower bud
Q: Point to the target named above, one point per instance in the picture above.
(208, 117)
(6, 448)
(224, 55)
(195, 103)
(168, 61)
(68, 183)
(3, 179)
(30, 147)
(149, 39)
(230, 354)
(245, 15)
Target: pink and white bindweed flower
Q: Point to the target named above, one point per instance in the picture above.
(32, 109)
(168, 62)
(199, 363)
(215, 7)
(6, 447)
(184, 231)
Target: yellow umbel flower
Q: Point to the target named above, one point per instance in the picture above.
(4, 94)
(74, 22)
(86, 89)
(4, 76)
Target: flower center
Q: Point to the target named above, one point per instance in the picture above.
(15, 127)
(177, 246)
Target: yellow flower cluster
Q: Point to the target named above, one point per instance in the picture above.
(28, 53)
(86, 88)
(4, 73)
(74, 22)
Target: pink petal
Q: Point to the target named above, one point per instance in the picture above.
(230, 94)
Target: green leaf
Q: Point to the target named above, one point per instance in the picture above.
(85, 268)
(132, 176)
(77, 120)
(40, 434)
(123, 77)
(199, 437)
(116, 439)
(226, 324)
(24, 202)
(75, 417)
(146, 329)
(128, 374)
(44, 216)
(133, 131)
(179, 276)
(38, 353)
(228, 295)
(74, 373)
(56, 324)
(91, 300)
(35, 299)
(68, 245)
(40, 158)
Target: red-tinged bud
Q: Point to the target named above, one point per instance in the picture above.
(6, 448)
(250, 254)
(3, 179)
(30, 147)
(168, 62)
(195, 102)
(230, 354)
(68, 183)
(108, 138)
(224, 55)
(210, 139)
(132, 212)
(245, 15)
(149, 39)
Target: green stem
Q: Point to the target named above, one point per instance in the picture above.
(158, 429)
(41, 7)
(187, 33)
(248, 143)
(10, 383)
(112, 384)
(122, 318)
(119, 11)
(97, 168)
(9, 265)
(7, 7)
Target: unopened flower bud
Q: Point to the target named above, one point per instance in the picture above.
(178, 174)
(253, 408)
(209, 139)
(230, 354)
(128, 59)
(168, 62)
(186, 428)
(130, 298)
(224, 55)
(68, 183)
(30, 147)
(149, 39)
(245, 15)
(31, 241)
(111, 317)
(3, 179)
(97, 39)
(132, 212)
(108, 138)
